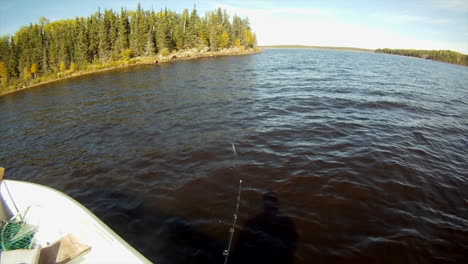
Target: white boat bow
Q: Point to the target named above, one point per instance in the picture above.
(57, 215)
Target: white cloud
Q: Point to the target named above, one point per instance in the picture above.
(415, 19)
(251, 12)
(453, 5)
(297, 11)
(296, 27)
(408, 18)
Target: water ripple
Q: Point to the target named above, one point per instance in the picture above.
(365, 153)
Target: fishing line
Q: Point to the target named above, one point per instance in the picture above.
(231, 230)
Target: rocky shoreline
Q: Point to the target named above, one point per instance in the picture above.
(189, 54)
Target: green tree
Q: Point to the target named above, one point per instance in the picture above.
(215, 28)
(92, 27)
(107, 34)
(150, 48)
(237, 28)
(191, 33)
(202, 31)
(439, 55)
(51, 46)
(82, 56)
(162, 30)
(4, 49)
(138, 32)
(12, 62)
(179, 35)
(123, 32)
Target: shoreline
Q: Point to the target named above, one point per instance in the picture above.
(316, 48)
(183, 55)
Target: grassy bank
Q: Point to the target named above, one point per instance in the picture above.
(18, 84)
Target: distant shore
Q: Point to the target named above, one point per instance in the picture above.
(175, 56)
(315, 47)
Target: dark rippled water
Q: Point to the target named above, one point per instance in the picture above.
(345, 157)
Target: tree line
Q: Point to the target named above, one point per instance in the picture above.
(48, 48)
(438, 55)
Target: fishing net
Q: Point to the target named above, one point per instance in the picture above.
(16, 234)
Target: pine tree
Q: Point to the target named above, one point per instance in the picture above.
(227, 28)
(45, 47)
(162, 30)
(104, 36)
(52, 46)
(185, 24)
(150, 48)
(215, 28)
(138, 31)
(123, 32)
(12, 63)
(202, 33)
(4, 47)
(93, 33)
(237, 29)
(179, 34)
(82, 43)
(22, 37)
(191, 39)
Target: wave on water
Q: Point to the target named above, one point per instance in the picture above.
(351, 157)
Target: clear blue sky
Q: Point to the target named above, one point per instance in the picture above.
(424, 24)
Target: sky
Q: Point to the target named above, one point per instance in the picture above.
(414, 24)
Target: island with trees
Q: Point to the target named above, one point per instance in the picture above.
(438, 55)
(447, 56)
(47, 51)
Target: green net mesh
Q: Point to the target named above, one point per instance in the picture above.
(16, 234)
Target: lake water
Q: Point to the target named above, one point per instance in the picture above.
(345, 157)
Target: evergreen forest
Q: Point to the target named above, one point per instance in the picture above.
(438, 55)
(50, 50)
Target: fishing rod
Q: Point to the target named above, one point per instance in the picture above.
(234, 220)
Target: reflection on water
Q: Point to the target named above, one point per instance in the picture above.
(365, 155)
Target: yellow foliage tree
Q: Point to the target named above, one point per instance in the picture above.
(34, 69)
(73, 67)
(26, 74)
(3, 73)
(126, 54)
(165, 52)
(237, 43)
(63, 66)
(249, 38)
(224, 40)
